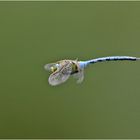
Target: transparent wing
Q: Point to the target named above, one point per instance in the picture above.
(58, 78)
(61, 75)
(48, 66)
(79, 76)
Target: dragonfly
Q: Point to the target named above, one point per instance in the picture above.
(63, 69)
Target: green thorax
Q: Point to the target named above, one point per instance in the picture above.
(74, 68)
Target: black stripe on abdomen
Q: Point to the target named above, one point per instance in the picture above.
(115, 59)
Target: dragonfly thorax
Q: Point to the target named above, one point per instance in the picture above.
(74, 68)
(68, 65)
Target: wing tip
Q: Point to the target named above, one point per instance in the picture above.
(45, 67)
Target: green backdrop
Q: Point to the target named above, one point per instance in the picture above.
(105, 105)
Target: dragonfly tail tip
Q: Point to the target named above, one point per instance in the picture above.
(138, 58)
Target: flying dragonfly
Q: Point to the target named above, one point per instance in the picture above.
(62, 70)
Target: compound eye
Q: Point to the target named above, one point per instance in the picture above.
(54, 68)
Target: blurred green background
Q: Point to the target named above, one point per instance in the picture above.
(105, 105)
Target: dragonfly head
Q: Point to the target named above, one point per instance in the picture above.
(54, 68)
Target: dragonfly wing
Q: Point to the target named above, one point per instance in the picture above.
(48, 66)
(79, 76)
(58, 78)
(60, 75)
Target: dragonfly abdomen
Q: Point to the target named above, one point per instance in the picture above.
(113, 58)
